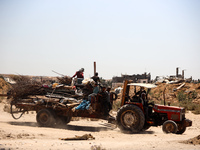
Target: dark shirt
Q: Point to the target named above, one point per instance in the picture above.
(103, 97)
(96, 78)
(78, 74)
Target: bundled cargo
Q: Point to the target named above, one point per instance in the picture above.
(25, 87)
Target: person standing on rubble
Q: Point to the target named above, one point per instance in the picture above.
(80, 76)
(96, 78)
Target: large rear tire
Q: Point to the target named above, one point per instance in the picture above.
(130, 118)
(169, 126)
(46, 118)
(146, 127)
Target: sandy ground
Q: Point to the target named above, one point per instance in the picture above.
(25, 134)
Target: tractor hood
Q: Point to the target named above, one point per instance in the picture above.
(167, 108)
(173, 113)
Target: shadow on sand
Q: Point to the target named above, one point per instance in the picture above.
(67, 127)
(104, 127)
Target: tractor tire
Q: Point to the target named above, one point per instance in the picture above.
(169, 126)
(146, 127)
(63, 120)
(46, 118)
(181, 129)
(130, 118)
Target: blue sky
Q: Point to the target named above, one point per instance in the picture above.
(123, 37)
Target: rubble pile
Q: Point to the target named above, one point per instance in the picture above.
(194, 141)
(65, 80)
(173, 91)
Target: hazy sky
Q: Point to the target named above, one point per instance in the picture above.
(123, 37)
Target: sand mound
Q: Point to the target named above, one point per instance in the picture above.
(194, 141)
(4, 86)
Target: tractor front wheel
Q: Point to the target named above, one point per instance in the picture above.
(169, 126)
(46, 118)
(130, 118)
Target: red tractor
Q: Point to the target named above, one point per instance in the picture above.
(137, 114)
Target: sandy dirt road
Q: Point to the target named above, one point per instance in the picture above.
(25, 134)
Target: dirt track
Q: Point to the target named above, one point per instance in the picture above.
(25, 134)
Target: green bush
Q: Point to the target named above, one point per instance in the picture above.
(188, 105)
(197, 109)
(193, 95)
(186, 101)
(181, 96)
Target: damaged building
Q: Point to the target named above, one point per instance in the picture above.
(136, 78)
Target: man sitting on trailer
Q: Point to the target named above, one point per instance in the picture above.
(95, 92)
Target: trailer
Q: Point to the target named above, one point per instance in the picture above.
(57, 109)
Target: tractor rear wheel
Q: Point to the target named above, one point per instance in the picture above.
(146, 127)
(169, 126)
(46, 118)
(130, 118)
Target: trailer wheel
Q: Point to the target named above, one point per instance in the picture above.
(169, 126)
(63, 120)
(130, 118)
(46, 118)
(181, 129)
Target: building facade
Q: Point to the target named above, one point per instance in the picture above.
(136, 78)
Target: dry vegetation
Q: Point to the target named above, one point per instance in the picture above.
(64, 80)
(25, 87)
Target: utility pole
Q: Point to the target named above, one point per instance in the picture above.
(94, 67)
(177, 71)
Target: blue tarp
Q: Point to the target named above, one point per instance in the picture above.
(84, 105)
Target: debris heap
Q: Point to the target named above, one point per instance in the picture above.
(194, 141)
(25, 87)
